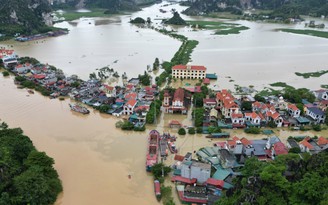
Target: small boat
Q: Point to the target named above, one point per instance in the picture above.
(219, 135)
(157, 188)
(172, 147)
(30, 91)
(79, 108)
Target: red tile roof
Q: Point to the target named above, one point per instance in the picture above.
(192, 67)
(322, 141)
(292, 107)
(131, 102)
(231, 142)
(206, 81)
(245, 141)
(209, 101)
(178, 157)
(252, 115)
(215, 182)
(179, 95)
(39, 76)
(131, 96)
(184, 180)
(110, 88)
(236, 115)
(306, 144)
(280, 148)
(236, 138)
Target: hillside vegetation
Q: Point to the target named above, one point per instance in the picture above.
(24, 16)
(279, 8)
(286, 180)
(27, 175)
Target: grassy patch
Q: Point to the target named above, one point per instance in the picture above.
(223, 15)
(73, 15)
(280, 84)
(269, 91)
(321, 34)
(312, 74)
(219, 27)
(324, 86)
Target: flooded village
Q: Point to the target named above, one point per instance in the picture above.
(200, 173)
(108, 128)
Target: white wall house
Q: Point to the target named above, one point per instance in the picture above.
(293, 111)
(23, 68)
(316, 114)
(129, 107)
(200, 171)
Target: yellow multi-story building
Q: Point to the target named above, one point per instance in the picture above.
(189, 72)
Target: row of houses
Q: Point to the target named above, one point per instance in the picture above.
(217, 166)
(276, 110)
(130, 99)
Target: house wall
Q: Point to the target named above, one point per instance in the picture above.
(185, 73)
(200, 174)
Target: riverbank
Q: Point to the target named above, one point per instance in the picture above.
(308, 32)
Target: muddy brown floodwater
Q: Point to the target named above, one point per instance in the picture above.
(92, 157)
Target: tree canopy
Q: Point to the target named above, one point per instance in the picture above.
(287, 180)
(27, 176)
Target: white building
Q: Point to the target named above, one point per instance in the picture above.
(23, 68)
(129, 107)
(189, 72)
(192, 169)
(293, 110)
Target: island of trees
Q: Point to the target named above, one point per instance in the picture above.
(27, 176)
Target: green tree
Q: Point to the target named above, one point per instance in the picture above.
(246, 106)
(156, 64)
(253, 130)
(182, 131)
(191, 131)
(198, 99)
(144, 79)
(259, 98)
(5, 73)
(160, 170)
(199, 130)
(127, 125)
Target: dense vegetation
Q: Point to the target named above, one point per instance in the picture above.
(312, 74)
(176, 20)
(286, 180)
(321, 34)
(27, 176)
(289, 93)
(113, 6)
(154, 111)
(19, 16)
(280, 8)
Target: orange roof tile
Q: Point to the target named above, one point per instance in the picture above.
(306, 144)
(292, 107)
(245, 141)
(322, 141)
(236, 115)
(131, 102)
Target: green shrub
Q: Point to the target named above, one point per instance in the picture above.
(143, 128)
(191, 131)
(182, 131)
(253, 130)
(127, 126)
(5, 73)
